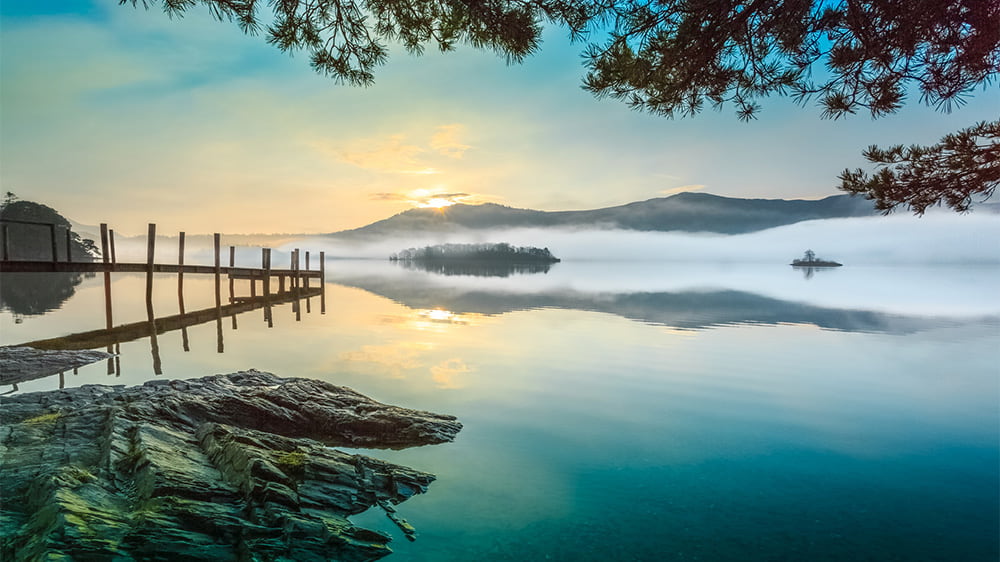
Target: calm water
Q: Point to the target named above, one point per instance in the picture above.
(630, 411)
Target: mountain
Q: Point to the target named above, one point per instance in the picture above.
(691, 212)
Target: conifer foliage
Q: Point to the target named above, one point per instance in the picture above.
(963, 166)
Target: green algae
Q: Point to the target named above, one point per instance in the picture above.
(43, 419)
(294, 460)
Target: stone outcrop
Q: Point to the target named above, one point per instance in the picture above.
(227, 467)
(21, 363)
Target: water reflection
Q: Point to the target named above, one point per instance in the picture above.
(30, 294)
(438, 318)
(475, 269)
(808, 272)
(37, 293)
(690, 310)
(699, 441)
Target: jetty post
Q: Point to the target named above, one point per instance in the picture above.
(150, 250)
(296, 281)
(185, 343)
(107, 275)
(232, 281)
(154, 346)
(305, 284)
(232, 264)
(305, 281)
(266, 259)
(322, 282)
(107, 288)
(220, 347)
(180, 270)
(218, 270)
(69, 245)
(111, 239)
(104, 244)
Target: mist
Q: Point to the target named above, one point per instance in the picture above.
(940, 238)
(938, 264)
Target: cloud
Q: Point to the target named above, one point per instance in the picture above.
(447, 374)
(445, 141)
(422, 197)
(393, 359)
(386, 196)
(682, 189)
(386, 155)
(423, 172)
(398, 154)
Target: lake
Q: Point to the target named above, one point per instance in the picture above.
(628, 410)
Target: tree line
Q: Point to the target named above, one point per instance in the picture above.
(500, 252)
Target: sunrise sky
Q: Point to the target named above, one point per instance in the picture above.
(121, 115)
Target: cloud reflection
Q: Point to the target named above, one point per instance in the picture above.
(448, 374)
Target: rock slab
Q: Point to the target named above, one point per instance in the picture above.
(227, 467)
(20, 363)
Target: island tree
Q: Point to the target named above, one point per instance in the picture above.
(675, 57)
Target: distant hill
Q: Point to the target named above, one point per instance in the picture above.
(690, 212)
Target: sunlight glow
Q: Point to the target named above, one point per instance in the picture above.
(439, 320)
(437, 203)
(438, 315)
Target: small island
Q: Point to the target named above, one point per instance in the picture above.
(810, 260)
(477, 253)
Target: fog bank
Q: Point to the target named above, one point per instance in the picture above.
(938, 238)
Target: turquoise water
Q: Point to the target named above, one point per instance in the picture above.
(639, 411)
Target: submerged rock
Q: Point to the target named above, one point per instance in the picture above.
(20, 364)
(227, 467)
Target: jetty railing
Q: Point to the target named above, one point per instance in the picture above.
(50, 227)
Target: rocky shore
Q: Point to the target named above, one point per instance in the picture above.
(226, 467)
(22, 363)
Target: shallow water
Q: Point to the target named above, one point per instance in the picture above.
(636, 411)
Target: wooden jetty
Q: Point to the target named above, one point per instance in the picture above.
(110, 264)
(297, 278)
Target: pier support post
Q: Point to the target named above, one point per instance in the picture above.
(232, 264)
(295, 284)
(305, 280)
(107, 277)
(185, 342)
(154, 346)
(216, 238)
(150, 251)
(266, 258)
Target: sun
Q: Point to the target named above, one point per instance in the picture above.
(437, 203)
